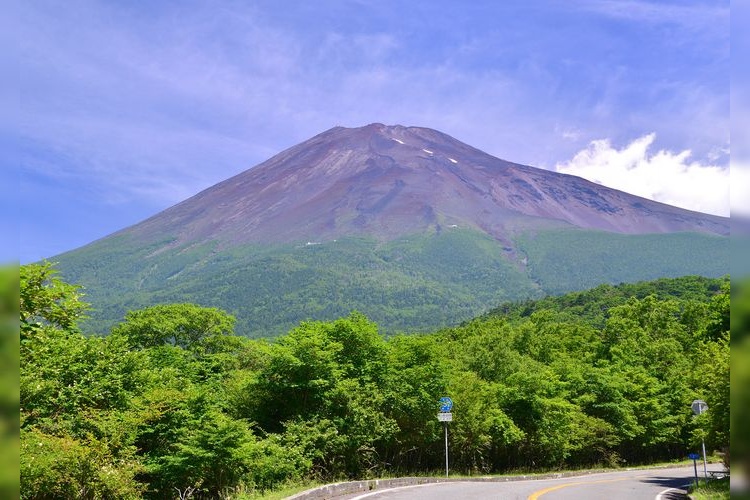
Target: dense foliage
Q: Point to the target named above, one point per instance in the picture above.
(415, 283)
(172, 403)
(9, 359)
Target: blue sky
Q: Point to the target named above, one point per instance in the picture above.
(120, 109)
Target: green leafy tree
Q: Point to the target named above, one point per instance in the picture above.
(482, 434)
(47, 300)
(302, 367)
(208, 455)
(417, 378)
(333, 373)
(66, 467)
(72, 392)
(184, 325)
(536, 401)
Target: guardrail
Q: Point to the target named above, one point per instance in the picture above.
(365, 486)
(718, 474)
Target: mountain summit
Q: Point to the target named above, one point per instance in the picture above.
(389, 181)
(408, 225)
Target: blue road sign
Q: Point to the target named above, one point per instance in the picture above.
(446, 404)
(693, 456)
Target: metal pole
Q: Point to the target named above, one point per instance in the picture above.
(445, 425)
(695, 467)
(703, 445)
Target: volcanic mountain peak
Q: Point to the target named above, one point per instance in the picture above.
(457, 230)
(400, 142)
(387, 181)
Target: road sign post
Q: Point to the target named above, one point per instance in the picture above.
(694, 457)
(445, 416)
(699, 406)
(445, 427)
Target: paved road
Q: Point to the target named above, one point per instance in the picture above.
(659, 484)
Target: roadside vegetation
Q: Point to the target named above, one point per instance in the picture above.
(717, 489)
(171, 403)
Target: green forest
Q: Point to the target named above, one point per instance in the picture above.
(417, 283)
(171, 403)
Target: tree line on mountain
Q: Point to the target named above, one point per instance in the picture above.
(417, 283)
(171, 403)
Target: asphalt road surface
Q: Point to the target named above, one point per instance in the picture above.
(652, 484)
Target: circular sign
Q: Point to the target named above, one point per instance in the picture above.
(446, 404)
(699, 406)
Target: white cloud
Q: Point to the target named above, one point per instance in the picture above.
(663, 176)
(740, 190)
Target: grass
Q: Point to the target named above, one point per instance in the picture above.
(715, 489)
(278, 494)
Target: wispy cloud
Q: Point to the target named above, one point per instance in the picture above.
(703, 16)
(663, 176)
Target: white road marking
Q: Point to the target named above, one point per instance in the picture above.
(377, 492)
(397, 140)
(660, 497)
(427, 151)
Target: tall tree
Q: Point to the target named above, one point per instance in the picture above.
(45, 299)
(183, 325)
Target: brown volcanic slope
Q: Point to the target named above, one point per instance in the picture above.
(387, 181)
